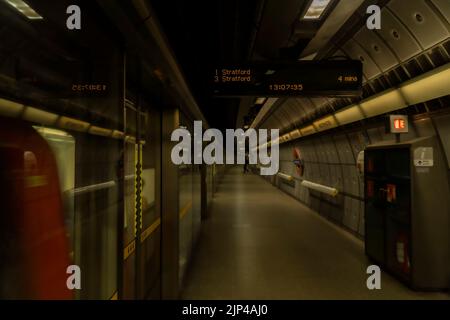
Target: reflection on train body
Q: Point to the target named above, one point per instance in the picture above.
(34, 245)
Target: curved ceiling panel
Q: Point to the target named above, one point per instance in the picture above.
(283, 116)
(444, 7)
(272, 122)
(377, 49)
(407, 31)
(305, 103)
(319, 102)
(355, 51)
(294, 110)
(398, 37)
(424, 24)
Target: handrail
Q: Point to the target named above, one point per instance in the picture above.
(285, 176)
(321, 188)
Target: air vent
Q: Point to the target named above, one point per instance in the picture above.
(425, 63)
(413, 68)
(393, 79)
(377, 85)
(367, 91)
(446, 46)
(438, 56)
(401, 73)
(434, 105)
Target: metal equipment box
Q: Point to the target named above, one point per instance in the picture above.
(407, 209)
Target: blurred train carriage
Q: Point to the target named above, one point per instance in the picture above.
(35, 245)
(81, 170)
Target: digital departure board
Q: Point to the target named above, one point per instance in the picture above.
(301, 78)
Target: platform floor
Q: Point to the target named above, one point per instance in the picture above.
(260, 243)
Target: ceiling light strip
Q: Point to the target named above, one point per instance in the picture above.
(431, 85)
(24, 9)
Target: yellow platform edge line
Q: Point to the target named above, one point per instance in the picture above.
(115, 296)
(147, 232)
(129, 249)
(185, 209)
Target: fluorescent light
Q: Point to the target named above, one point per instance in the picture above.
(387, 101)
(260, 100)
(310, 57)
(316, 9)
(431, 85)
(349, 115)
(39, 116)
(10, 108)
(25, 9)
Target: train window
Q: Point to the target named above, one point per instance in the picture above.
(185, 209)
(63, 147)
(150, 267)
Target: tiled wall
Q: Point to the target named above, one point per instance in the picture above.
(330, 160)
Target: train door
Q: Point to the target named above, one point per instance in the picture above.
(34, 251)
(142, 217)
(129, 234)
(149, 274)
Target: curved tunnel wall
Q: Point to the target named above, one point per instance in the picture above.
(330, 159)
(414, 39)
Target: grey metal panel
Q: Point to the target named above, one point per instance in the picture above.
(287, 188)
(358, 143)
(315, 172)
(313, 151)
(306, 151)
(305, 103)
(320, 178)
(377, 49)
(336, 173)
(405, 46)
(282, 119)
(314, 202)
(361, 186)
(335, 213)
(375, 135)
(319, 102)
(344, 149)
(354, 180)
(294, 110)
(443, 128)
(424, 128)
(327, 175)
(350, 219)
(428, 31)
(285, 168)
(354, 50)
(347, 179)
(284, 152)
(386, 136)
(361, 219)
(305, 196)
(325, 149)
(287, 113)
(351, 185)
(320, 151)
(444, 8)
(340, 53)
(323, 173)
(331, 149)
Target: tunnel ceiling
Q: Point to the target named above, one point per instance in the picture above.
(413, 40)
(203, 34)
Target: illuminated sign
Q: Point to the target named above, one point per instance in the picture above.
(299, 78)
(398, 124)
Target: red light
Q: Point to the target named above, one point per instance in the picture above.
(399, 124)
